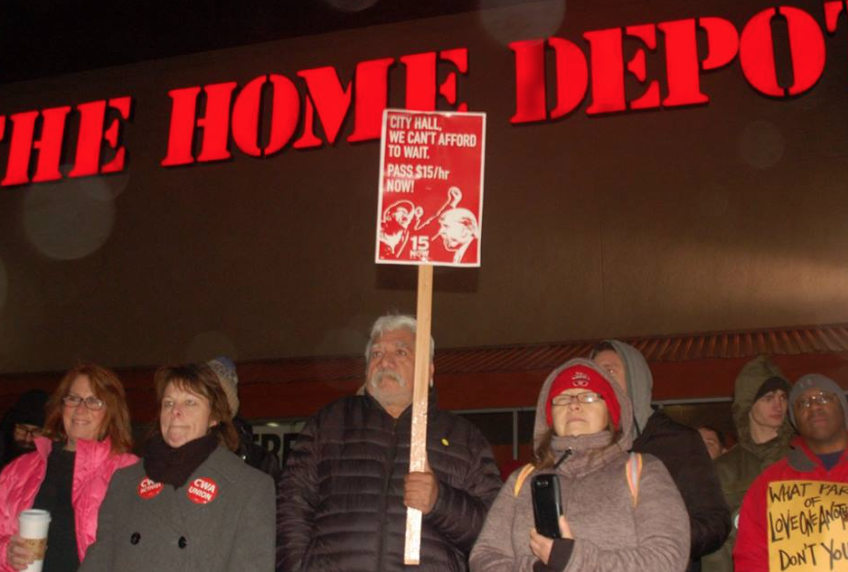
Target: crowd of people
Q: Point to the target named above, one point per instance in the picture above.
(634, 490)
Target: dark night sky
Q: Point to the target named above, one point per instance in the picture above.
(42, 38)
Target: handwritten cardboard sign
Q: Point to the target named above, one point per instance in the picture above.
(430, 209)
(808, 526)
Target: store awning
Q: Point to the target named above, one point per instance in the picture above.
(685, 367)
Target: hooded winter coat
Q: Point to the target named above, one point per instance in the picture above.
(94, 465)
(28, 410)
(738, 468)
(340, 502)
(613, 532)
(683, 453)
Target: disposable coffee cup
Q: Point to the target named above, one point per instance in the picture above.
(33, 530)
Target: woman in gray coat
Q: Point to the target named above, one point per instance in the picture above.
(621, 513)
(192, 505)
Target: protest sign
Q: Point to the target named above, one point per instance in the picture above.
(808, 526)
(429, 212)
(430, 207)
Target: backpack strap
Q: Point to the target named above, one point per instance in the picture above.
(522, 476)
(633, 470)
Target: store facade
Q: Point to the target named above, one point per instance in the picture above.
(652, 170)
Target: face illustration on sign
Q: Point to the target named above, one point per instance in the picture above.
(458, 229)
(394, 227)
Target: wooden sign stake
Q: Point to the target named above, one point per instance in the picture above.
(418, 443)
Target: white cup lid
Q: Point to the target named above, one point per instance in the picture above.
(36, 514)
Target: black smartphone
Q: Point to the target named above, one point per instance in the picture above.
(547, 506)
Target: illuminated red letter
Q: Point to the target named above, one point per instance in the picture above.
(371, 95)
(648, 34)
(331, 101)
(572, 76)
(572, 79)
(49, 146)
(832, 10)
(184, 121)
(421, 77)
(285, 110)
(806, 44)
(607, 71)
(420, 81)
(530, 104)
(683, 68)
(92, 135)
(447, 89)
(370, 91)
(308, 138)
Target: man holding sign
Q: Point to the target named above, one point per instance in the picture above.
(794, 517)
(343, 497)
(431, 173)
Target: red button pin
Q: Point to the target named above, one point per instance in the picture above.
(147, 488)
(202, 490)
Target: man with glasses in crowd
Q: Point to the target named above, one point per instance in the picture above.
(809, 485)
(21, 425)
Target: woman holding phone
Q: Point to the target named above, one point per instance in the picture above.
(620, 512)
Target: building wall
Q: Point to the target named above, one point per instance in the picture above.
(717, 217)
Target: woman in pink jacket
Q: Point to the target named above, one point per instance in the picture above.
(88, 425)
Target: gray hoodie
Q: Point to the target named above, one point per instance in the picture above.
(610, 533)
(640, 382)
(683, 453)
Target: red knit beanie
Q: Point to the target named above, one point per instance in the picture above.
(582, 377)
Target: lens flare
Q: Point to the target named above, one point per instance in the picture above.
(71, 220)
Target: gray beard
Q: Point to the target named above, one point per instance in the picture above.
(374, 380)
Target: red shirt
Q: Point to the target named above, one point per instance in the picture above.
(803, 511)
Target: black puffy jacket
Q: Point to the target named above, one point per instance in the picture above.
(340, 501)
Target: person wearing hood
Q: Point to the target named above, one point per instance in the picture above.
(582, 434)
(679, 447)
(343, 498)
(795, 514)
(764, 433)
(254, 455)
(22, 424)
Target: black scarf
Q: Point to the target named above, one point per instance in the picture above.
(165, 464)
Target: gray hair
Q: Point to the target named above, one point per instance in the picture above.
(390, 323)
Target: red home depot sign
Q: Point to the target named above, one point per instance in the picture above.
(215, 122)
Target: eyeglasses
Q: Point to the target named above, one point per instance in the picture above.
(91, 402)
(27, 431)
(818, 398)
(565, 399)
